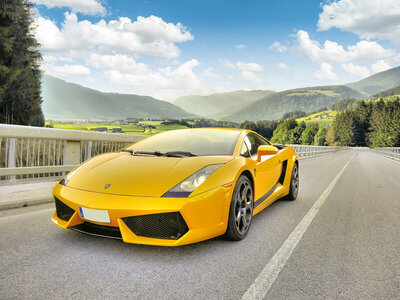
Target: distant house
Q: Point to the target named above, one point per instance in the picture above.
(99, 129)
(116, 130)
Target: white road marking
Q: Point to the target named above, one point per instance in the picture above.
(263, 283)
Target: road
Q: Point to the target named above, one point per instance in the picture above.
(350, 249)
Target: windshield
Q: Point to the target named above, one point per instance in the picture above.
(196, 141)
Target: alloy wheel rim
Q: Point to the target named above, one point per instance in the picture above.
(295, 180)
(243, 207)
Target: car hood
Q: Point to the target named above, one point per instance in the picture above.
(149, 176)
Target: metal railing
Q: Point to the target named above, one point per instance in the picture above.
(393, 152)
(305, 151)
(27, 152)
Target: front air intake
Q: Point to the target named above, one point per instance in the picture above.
(64, 212)
(170, 226)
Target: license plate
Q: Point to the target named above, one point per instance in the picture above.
(95, 215)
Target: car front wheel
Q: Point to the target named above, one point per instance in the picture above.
(241, 210)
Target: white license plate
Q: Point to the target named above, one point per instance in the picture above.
(95, 215)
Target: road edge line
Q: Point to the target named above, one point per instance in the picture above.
(264, 281)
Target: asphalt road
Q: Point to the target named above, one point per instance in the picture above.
(350, 250)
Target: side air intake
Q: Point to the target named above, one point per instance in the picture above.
(64, 212)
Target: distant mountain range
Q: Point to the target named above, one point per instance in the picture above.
(273, 105)
(69, 101)
(64, 100)
(378, 82)
(309, 99)
(215, 105)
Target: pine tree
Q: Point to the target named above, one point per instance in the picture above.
(20, 100)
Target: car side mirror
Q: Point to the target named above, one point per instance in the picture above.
(266, 150)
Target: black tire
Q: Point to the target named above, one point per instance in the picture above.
(294, 184)
(241, 210)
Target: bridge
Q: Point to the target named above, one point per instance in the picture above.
(339, 239)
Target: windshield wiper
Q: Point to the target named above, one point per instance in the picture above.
(179, 154)
(156, 153)
(127, 150)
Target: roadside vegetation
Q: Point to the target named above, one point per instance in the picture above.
(371, 122)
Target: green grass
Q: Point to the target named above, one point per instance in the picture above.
(314, 92)
(129, 129)
(326, 116)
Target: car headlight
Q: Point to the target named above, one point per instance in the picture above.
(187, 186)
(67, 177)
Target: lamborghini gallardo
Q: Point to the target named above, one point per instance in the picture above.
(177, 187)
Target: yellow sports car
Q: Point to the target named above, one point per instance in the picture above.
(177, 187)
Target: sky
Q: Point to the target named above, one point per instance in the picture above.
(167, 49)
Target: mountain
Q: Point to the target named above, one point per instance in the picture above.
(378, 82)
(215, 104)
(391, 92)
(309, 99)
(64, 100)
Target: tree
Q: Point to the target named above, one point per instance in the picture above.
(330, 136)
(282, 131)
(308, 135)
(345, 128)
(20, 98)
(320, 137)
(295, 135)
(385, 124)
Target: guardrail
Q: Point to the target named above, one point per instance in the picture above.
(27, 152)
(393, 152)
(305, 150)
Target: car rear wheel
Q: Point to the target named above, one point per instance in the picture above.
(241, 210)
(294, 184)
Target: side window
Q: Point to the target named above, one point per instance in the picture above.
(255, 142)
(244, 151)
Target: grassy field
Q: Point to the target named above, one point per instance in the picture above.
(131, 128)
(323, 118)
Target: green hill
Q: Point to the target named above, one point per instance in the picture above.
(310, 99)
(323, 118)
(391, 92)
(377, 82)
(215, 105)
(69, 101)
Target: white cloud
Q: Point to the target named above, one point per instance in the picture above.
(250, 76)
(242, 66)
(114, 49)
(240, 46)
(278, 47)
(380, 66)
(164, 81)
(226, 63)
(149, 36)
(282, 66)
(332, 52)
(358, 71)
(88, 7)
(209, 73)
(68, 71)
(325, 72)
(367, 18)
(253, 67)
(120, 62)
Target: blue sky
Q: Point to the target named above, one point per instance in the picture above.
(167, 49)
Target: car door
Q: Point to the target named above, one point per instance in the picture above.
(267, 171)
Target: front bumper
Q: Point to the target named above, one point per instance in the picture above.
(205, 215)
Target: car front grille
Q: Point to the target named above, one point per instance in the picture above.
(64, 212)
(170, 226)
